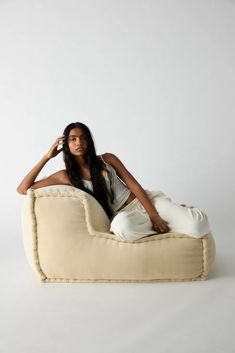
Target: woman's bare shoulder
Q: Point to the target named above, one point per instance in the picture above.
(115, 162)
(121, 170)
(110, 158)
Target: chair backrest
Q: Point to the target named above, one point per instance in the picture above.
(54, 217)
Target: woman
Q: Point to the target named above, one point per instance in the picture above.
(133, 211)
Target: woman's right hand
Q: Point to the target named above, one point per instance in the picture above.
(53, 151)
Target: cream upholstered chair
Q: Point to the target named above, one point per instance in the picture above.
(67, 239)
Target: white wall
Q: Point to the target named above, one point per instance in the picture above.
(154, 81)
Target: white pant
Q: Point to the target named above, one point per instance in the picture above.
(132, 222)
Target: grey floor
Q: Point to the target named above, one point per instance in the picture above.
(120, 317)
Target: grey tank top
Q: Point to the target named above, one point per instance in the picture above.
(121, 191)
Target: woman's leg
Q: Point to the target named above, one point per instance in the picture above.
(133, 222)
(182, 219)
(132, 225)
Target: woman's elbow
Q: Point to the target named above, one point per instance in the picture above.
(21, 191)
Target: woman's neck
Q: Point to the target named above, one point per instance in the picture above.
(80, 160)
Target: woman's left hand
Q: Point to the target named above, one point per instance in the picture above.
(160, 225)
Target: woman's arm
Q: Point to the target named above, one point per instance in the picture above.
(29, 179)
(158, 223)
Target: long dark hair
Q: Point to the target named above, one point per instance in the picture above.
(95, 164)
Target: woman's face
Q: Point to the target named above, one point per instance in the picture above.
(77, 142)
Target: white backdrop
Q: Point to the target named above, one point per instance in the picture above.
(153, 80)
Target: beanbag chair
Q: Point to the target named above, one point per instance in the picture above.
(67, 239)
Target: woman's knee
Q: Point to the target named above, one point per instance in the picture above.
(121, 224)
(200, 224)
